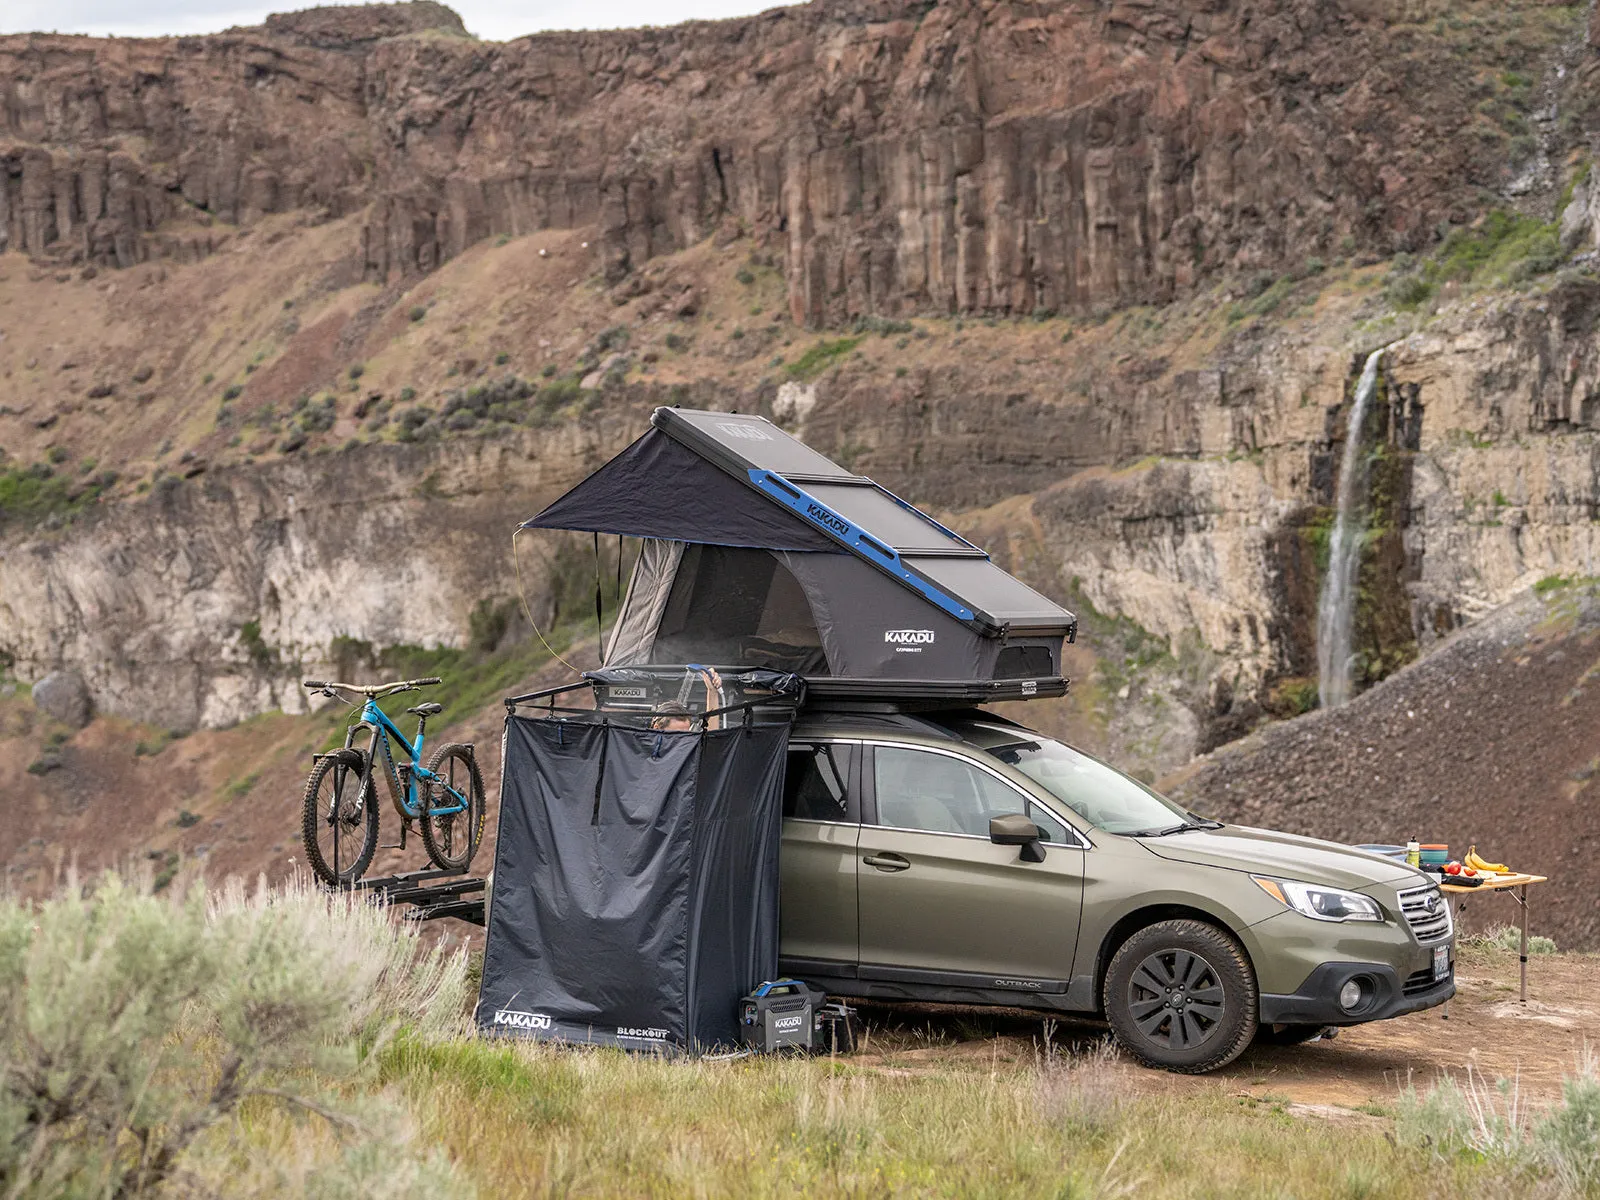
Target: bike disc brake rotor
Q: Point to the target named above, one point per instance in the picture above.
(345, 808)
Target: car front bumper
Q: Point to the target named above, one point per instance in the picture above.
(1316, 1001)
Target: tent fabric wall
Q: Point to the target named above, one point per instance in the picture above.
(730, 606)
(845, 619)
(636, 874)
(634, 635)
(873, 628)
(733, 931)
(741, 607)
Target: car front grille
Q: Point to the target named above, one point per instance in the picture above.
(1420, 981)
(1428, 926)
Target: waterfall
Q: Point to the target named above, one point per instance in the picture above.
(1336, 608)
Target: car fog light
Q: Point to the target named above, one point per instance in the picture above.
(1350, 995)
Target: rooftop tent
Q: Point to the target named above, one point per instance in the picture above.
(760, 552)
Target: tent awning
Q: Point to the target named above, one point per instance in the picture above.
(657, 488)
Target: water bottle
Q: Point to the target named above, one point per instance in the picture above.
(1414, 854)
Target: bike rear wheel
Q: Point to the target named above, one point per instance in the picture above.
(339, 824)
(452, 838)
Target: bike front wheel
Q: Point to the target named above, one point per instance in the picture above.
(453, 809)
(340, 821)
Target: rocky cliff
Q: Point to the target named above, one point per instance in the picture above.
(208, 602)
(906, 156)
(1190, 501)
(1093, 279)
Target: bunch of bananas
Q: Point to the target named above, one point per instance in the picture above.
(1486, 868)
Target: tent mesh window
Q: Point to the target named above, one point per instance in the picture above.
(738, 607)
(1024, 662)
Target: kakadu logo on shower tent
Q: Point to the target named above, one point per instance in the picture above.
(521, 1020)
(908, 641)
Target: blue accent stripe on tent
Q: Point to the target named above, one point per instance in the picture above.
(805, 505)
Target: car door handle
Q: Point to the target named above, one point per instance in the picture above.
(887, 862)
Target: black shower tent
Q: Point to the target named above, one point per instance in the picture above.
(635, 884)
(760, 552)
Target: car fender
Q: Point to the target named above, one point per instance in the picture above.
(1114, 908)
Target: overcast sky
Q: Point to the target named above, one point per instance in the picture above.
(499, 20)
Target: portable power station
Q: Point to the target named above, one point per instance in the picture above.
(782, 1013)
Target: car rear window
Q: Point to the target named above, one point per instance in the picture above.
(814, 785)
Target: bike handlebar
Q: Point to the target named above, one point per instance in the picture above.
(370, 689)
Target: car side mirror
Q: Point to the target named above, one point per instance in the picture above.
(1014, 829)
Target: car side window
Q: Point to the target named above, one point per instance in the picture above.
(816, 782)
(935, 793)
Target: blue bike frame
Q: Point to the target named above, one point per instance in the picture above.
(382, 727)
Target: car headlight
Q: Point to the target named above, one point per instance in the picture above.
(1321, 903)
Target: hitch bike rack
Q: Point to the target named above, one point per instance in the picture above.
(432, 894)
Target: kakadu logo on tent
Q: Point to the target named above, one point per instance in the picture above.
(521, 1020)
(908, 641)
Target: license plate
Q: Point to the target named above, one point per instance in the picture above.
(1441, 962)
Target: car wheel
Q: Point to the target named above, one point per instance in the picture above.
(1180, 995)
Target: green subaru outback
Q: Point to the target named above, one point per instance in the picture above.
(965, 859)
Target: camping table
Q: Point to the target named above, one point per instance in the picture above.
(1500, 883)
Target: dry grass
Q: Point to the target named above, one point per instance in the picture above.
(337, 1098)
(525, 1119)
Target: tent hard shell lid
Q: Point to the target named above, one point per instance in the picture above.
(761, 552)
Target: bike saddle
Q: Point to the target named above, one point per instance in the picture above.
(426, 710)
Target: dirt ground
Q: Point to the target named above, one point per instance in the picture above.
(1357, 1073)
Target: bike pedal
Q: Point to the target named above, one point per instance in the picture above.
(392, 846)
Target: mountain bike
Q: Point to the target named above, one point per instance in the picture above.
(445, 798)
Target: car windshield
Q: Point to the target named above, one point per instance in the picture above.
(1101, 795)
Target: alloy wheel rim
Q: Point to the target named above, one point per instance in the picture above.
(1176, 999)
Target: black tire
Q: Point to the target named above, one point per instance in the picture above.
(453, 839)
(340, 850)
(1180, 995)
(1288, 1035)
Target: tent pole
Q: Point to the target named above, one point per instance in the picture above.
(599, 621)
(600, 776)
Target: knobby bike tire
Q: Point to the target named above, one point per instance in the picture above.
(314, 818)
(440, 841)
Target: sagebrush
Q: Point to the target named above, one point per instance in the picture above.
(138, 1030)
